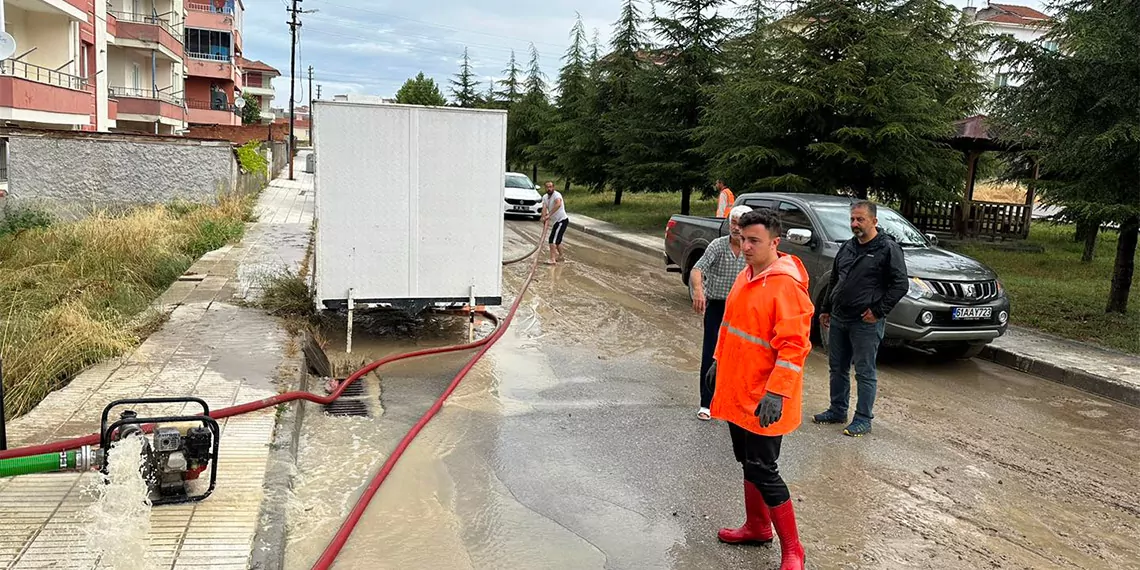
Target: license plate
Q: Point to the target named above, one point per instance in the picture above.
(971, 313)
(520, 209)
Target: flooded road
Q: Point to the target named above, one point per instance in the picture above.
(575, 444)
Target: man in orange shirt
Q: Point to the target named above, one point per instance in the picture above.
(758, 375)
(725, 199)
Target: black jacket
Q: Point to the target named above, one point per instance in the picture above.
(871, 276)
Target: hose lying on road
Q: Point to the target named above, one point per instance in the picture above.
(94, 439)
(37, 455)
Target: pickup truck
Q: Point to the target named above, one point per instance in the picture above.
(955, 305)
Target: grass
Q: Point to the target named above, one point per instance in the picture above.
(639, 212)
(1056, 293)
(73, 294)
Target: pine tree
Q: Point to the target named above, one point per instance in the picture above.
(512, 92)
(689, 71)
(1078, 109)
(564, 146)
(464, 86)
(620, 72)
(528, 119)
(849, 97)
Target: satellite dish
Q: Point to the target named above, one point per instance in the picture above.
(7, 45)
(239, 103)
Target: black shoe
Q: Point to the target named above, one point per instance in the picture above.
(829, 417)
(858, 428)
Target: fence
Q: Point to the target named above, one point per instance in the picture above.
(982, 219)
(131, 92)
(149, 19)
(14, 68)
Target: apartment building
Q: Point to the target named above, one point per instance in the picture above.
(152, 66)
(1020, 22)
(257, 80)
(144, 72)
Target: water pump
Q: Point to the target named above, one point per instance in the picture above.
(179, 450)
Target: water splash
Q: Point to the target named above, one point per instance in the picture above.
(120, 516)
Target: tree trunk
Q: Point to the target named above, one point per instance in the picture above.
(686, 194)
(1125, 265)
(1084, 228)
(567, 190)
(534, 173)
(617, 196)
(1090, 244)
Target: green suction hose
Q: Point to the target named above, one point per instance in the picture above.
(76, 459)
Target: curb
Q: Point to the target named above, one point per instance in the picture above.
(268, 552)
(617, 240)
(1110, 388)
(1093, 383)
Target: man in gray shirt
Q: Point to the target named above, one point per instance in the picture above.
(711, 279)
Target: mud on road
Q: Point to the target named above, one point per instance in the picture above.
(574, 444)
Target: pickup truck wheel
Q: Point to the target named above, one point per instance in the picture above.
(819, 334)
(959, 350)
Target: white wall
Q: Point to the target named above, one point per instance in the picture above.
(50, 34)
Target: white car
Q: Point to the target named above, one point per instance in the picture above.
(521, 197)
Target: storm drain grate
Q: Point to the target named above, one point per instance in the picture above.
(347, 408)
(354, 389)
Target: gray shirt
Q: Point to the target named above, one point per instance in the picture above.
(719, 267)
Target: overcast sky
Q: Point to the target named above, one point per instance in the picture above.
(373, 46)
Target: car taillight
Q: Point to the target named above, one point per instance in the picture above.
(669, 226)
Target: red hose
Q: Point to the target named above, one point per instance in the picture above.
(94, 439)
(341, 538)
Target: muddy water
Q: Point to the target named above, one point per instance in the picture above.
(574, 445)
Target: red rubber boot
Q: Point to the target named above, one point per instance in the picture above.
(757, 527)
(791, 551)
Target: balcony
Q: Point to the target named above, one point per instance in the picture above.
(148, 106)
(144, 31)
(258, 90)
(201, 112)
(210, 16)
(209, 65)
(33, 94)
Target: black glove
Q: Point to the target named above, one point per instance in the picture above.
(770, 409)
(710, 378)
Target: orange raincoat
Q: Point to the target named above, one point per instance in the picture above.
(764, 341)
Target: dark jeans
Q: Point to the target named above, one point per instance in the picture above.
(852, 341)
(714, 314)
(758, 455)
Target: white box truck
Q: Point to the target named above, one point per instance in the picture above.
(409, 205)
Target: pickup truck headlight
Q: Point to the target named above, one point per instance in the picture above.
(919, 289)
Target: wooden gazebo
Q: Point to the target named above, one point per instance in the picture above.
(969, 218)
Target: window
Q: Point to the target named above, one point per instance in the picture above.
(1001, 80)
(513, 180)
(136, 77)
(757, 204)
(793, 218)
(1051, 45)
(836, 220)
(208, 44)
(83, 60)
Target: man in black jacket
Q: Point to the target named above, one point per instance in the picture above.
(868, 279)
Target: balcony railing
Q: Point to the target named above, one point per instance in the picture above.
(14, 68)
(210, 7)
(131, 92)
(151, 20)
(209, 56)
(206, 105)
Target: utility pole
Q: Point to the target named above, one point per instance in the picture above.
(293, 25)
(310, 104)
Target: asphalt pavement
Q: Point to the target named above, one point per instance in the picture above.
(575, 444)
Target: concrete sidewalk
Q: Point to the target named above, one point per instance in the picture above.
(1102, 371)
(212, 347)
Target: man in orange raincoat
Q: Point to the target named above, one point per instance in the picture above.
(758, 374)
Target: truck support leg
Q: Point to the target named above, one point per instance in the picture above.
(471, 316)
(348, 335)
